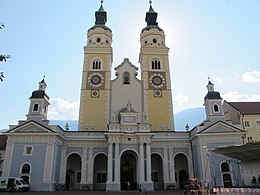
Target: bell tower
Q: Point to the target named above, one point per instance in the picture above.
(96, 76)
(39, 102)
(155, 73)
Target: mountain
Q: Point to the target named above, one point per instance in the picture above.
(192, 117)
(73, 124)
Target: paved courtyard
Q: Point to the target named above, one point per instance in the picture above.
(77, 192)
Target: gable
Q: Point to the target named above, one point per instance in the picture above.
(30, 127)
(221, 127)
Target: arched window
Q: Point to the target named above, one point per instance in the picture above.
(156, 65)
(126, 78)
(35, 107)
(224, 167)
(26, 169)
(25, 172)
(96, 64)
(216, 108)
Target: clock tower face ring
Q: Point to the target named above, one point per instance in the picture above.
(95, 80)
(157, 80)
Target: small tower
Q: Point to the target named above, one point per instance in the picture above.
(96, 75)
(213, 104)
(39, 102)
(155, 73)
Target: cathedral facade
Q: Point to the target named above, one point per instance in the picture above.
(126, 138)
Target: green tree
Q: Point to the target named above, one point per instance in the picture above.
(2, 56)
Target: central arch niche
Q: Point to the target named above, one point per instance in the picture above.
(181, 169)
(128, 171)
(73, 172)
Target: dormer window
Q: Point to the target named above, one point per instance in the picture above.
(35, 107)
(96, 64)
(126, 78)
(156, 65)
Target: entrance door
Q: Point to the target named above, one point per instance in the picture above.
(128, 171)
(182, 178)
(227, 181)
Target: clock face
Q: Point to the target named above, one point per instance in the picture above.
(95, 79)
(157, 80)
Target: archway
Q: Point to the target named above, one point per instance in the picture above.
(226, 176)
(181, 169)
(100, 172)
(25, 172)
(73, 172)
(128, 171)
(157, 171)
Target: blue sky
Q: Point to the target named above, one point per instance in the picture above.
(219, 38)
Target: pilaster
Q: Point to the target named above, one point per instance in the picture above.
(8, 158)
(90, 168)
(83, 180)
(63, 166)
(48, 183)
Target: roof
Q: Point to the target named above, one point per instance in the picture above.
(39, 94)
(212, 95)
(246, 152)
(3, 139)
(246, 107)
(101, 19)
(151, 20)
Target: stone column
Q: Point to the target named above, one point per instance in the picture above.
(148, 184)
(172, 167)
(110, 163)
(141, 163)
(148, 163)
(165, 168)
(83, 180)
(191, 171)
(63, 164)
(90, 168)
(117, 164)
(110, 184)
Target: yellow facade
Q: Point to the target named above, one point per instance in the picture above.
(157, 94)
(252, 127)
(95, 87)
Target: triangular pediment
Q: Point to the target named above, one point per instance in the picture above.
(221, 127)
(30, 127)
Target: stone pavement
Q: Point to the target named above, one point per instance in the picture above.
(77, 192)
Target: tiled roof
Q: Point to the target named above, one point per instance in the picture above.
(246, 107)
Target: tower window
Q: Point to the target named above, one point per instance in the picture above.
(216, 108)
(156, 65)
(98, 39)
(35, 107)
(96, 64)
(126, 78)
(154, 41)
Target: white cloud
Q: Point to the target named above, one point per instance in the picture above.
(61, 109)
(251, 77)
(180, 99)
(235, 96)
